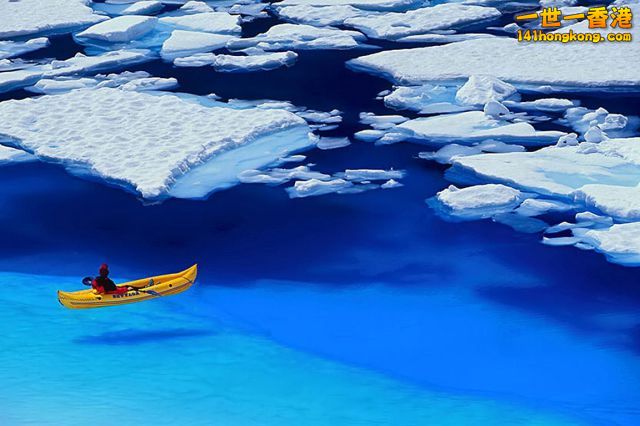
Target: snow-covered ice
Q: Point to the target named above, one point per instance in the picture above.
(278, 176)
(514, 62)
(326, 143)
(26, 17)
(620, 242)
(294, 36)
(420, 21)
(10, 49)
(544, 104)
(141, 140)
(425, 99)
(366, 175)
(120, 29)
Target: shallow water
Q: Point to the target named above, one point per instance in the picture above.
(331, 310)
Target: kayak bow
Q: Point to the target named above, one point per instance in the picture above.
(144, 289)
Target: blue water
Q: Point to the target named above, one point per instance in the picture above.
(357, 309)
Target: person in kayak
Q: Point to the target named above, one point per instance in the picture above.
(103, 284)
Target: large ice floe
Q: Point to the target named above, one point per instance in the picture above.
(151, 143)
(24, 17)
(519, 63)
(212, 22)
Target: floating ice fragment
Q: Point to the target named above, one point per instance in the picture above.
(11, 49)
(326, 143)
(480, 201)
(120, 29)
(314, 187)
(481, 89)
(211, 22)
(186, 43)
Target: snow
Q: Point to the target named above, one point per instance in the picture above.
(10, 49)
(480, 89)
(211, 22)
(622, 202)
(470, 126)
(236, 63)
(25, 17)
(318, 16)
(361, 4)
(186, 43)
(195, 7)
(397, 25)
(294, 36)
(480, 201)
(140, 140)
(120, 29)
(315, 187)
(513, 62)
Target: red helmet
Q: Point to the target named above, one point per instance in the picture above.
(104, 270)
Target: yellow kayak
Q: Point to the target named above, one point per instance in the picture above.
(144, 289)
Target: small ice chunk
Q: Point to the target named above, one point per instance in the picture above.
(369, 135)
(595, 135)
(480, 201)
(545, 104)
(448, 152)
(366, 175)
(537, 207)
(426, 99)
(278, 176)
(391, 183)
(495, 109)
(151, 83)
(270, 61)
(326, 143)
(193, 6)
(314, 187)
(568, 140)
(480, 89)
(121, 28)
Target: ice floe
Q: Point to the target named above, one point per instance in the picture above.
(77, 65)
(11, 49)
(420, 21)
(480, 201)
(26, 17)
(144, 7)
(319, 16)
(187, 43)
(514, 62)
(294, 36)
(212, 22)
(544, 104)
(315, 187)
(239, 63)
(120, 29)
(481, 89)
(449, 152)
(279, 176)
(127, 137)
(471, 126)
(326, 143)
